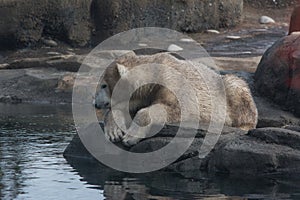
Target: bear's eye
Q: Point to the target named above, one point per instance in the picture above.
(103, 86)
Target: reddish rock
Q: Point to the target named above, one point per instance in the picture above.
(295, 20)
(278, 74)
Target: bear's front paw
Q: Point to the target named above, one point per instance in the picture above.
(113, 132)
(133, 135)
(129, 140)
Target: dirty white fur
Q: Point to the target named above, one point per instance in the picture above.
(240, 108)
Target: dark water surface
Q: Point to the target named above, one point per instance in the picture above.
(253, 42)
(32, 141)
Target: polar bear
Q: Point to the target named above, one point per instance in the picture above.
(156, 102)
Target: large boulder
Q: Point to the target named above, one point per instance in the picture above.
(278, 74)
(261, 152)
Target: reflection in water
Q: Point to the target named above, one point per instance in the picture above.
(170, 185)
(32, 141)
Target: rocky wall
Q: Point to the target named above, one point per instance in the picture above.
(25, 23)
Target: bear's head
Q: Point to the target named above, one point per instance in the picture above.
(110, 78)
(136, 81)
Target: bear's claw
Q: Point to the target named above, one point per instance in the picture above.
(113, 133)
(129, 140)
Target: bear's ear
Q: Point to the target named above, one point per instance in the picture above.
(122, 69)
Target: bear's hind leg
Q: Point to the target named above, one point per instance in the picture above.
(240, 104)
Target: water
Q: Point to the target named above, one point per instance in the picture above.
(253, 42)
(32, 141)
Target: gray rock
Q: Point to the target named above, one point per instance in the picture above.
(64, 62)
(51, 53)
(271, 115)
(32, 85)
(50, 43)
(247, 155)
(10, 99)
(174, 48)
(292, 128)
(261, 152)
(278, 136)
(233, 37)
(266, 20)
(213, 31)
(267, 151)
(4, 65)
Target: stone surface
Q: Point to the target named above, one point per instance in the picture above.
(10, 99)
(67, 62)
(266, 20)
(50, 43)
(290, 138)
(261, 152)
(247, 64)
(271, 115)
(32, 85)
(277, 76)
(248, 155)
(292, 128)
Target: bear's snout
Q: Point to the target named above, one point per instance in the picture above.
(102, 100)
(102, 104)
